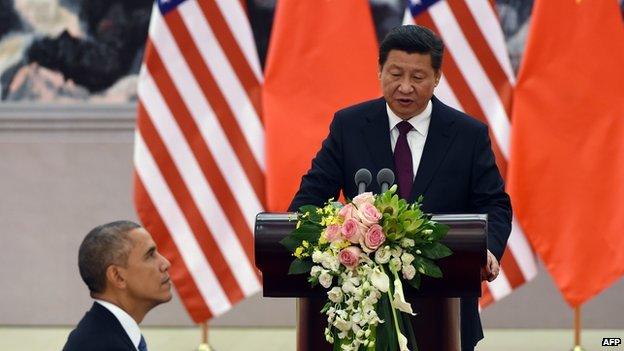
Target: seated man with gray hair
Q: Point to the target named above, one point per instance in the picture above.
(127, 277)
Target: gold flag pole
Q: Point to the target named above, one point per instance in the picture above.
(577, 329)
(204, 346)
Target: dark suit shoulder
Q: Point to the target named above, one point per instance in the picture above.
(98, 330)
(359, 111)
(463, 120)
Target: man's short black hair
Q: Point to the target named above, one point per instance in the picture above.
(413, 39)
(105, 245)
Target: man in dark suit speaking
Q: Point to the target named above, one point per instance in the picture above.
(433, 149)
(126, 277)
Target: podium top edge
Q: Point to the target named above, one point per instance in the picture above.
(459, 217)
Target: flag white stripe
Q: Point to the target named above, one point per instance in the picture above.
(489, 24)
(196, 184)
(521, 250)
(235, 16)
(226, 78)
(444, 92)
(500, 287)
(207, 122)
(181, 234)
(473, 72)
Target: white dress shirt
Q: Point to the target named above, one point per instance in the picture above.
(416, 137)
(128, 323)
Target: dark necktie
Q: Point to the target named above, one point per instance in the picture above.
(403, 161)
(142, 345)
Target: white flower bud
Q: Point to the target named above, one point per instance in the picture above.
(407, 258)
(396, 251)
(315, 271)
(317, 256)
(408, 271)
(407, 242)
(325, 279)
(335, 295)
(395, 264)
(382, 255)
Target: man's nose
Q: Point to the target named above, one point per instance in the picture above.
(165, 264)
(405, 86)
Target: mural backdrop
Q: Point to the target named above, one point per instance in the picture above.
(68, 51)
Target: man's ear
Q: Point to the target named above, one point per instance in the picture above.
(437, 75)
(115, 277)
(379, 68)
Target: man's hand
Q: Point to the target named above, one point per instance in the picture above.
(491, 269)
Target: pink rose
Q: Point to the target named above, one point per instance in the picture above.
(368, 214)
(350, 256)
(332, 233)
(346, 211)
(373, 238)
(363, 198)
(351, 230)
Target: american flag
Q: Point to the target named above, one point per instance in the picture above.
(477, 78)
(199, 149)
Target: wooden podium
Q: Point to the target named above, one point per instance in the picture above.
(436, 303)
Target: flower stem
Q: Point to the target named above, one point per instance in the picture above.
(394, 316)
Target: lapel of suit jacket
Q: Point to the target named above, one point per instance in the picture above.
(376, 133)
(113, 323)
(439, 139)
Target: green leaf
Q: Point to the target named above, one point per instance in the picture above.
(373, 336)
(308, 231)
(308, 209)
(439, 231)
(386, 336)
(435, 250)
(429, 267)
(298, 266)
(415, 282)
(290, 243)
(409, 331)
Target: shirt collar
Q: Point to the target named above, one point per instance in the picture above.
(420, 122)
(128, 323)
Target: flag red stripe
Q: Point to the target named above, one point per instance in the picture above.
(486, 295)
(180, 276)
(484, 53)
(233, 52)
(217, 101)
(200, 150)
(512, 271)
(204, 237)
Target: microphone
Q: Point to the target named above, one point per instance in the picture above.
(363, 178)
(385, 178)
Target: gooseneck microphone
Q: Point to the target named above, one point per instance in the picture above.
(363, 178)
(385, 179)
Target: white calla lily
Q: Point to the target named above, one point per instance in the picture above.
(380, 279)
(398, 300)
(402, 342)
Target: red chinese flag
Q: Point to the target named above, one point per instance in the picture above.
(567, 158)
(322, 57)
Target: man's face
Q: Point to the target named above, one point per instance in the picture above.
(407, 82)
(147, 271)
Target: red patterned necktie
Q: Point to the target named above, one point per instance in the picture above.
(403, 161)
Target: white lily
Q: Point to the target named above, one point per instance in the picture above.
(402, 342)
(398, 300)
(380, 279)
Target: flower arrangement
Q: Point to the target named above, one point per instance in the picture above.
(362, 252)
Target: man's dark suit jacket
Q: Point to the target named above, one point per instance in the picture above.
(99, 330)
(457, 174)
